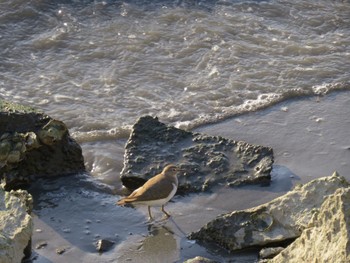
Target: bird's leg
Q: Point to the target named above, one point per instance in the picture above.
(167, 215)
(149, 212)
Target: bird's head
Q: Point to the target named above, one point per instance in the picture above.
(171, 170)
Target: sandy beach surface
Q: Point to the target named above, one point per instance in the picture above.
(310, 138)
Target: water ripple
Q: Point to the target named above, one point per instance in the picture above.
(99, 66)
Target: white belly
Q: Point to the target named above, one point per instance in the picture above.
(159, 202)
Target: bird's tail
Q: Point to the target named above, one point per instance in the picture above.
(121, 202)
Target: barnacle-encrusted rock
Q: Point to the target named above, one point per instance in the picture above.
(33, 144)
(16, 225)
(327, 237)
(208, 160)
(283, 219)
(53, 131)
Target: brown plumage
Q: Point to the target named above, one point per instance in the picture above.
(157, 191)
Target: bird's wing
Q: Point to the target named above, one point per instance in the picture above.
(149, 191)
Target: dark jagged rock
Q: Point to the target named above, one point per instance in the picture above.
(208, 160)
(33, 144)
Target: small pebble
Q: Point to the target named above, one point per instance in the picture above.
(270, 252)
(103, 245)
(38, 230)
(41, 245)
(285, 109)
(61, 250)
(66, 230)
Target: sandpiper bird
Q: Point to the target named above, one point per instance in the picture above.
(157, 191)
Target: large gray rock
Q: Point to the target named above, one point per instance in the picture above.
(16, 225)
(33, 144)
(208, 160)
(327, 237)
(280, 220)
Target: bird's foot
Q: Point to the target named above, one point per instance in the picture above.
(149, 221)
(165, 217)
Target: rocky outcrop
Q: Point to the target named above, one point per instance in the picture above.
(283, 219)
(327, 237)
(16, 225)
(33, 144)
(208, 160)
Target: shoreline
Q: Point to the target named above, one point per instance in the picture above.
(309, 135)
(309, 138)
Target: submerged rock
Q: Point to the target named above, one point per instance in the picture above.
(208, 160)
(283, 219)
(327, 237)
(33, 144)
(16, 225)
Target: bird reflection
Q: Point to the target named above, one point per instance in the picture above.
(160, 244)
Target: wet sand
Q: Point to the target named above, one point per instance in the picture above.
(310, 138)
